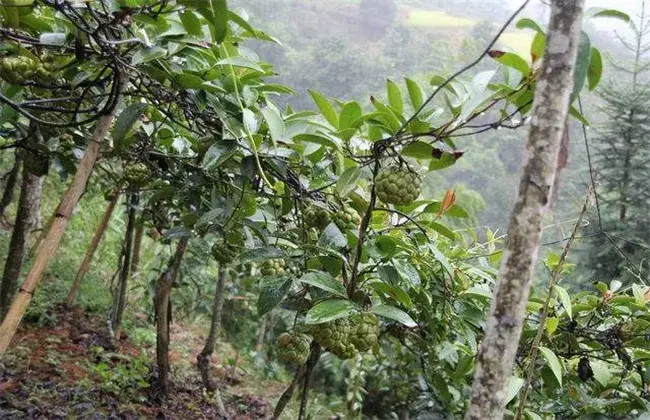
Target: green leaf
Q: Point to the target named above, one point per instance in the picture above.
(457, 211)
(189, 81)
(415, 93)
(511, 60)
(326, 108)
(443, 230)
(240, 62)
(272, 291)
(563, 295)
(582, 64)
(595, 12)
(218, 153)
(553, 362)
(395, 314)
(537, 47)
(395, 96)
(332, 237)
(350, 113)
(274, 121)
(348, 180)
(126, 121)
(318, 139)
(418, 150)
(386, 245)
(573, 111)
(144, 55)
(445, 161)
(514, 386)
(329, 310)
(528, 23)
(595, 71)
(261, 254)
(219, 24)
(192, 23)
(551, 324)
(325, 282)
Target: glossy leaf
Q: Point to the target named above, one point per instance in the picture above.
(329, 310)
(564, 297)
(395, 96)
(513, 388)
(596, 12)
(325, 282)
(415, 93)
(261, 254)
(553, 362)
(348, 180)
(272, 291)
(274, 122)
(350, 115)
(125, 122)
(511, 60)
(418, 150)
(395, 314)
(582, 64)
(595, 71)
(326, 108)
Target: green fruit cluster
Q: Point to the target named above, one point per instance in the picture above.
(273, 267)
(364, 331)
(335, 337)
(317, 217)
(397, 186)
(136, 174)
(20, 69)
(224, 253)
(347, 218)
(293, 348)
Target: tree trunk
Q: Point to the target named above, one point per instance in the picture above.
(503, 328)
(29, 204)
(261, 334)
(90, 252)
(50, 244)
(161, 306)
(120, 301)
(302, 373)
(203, 359)
(10, 186)
(137, 246)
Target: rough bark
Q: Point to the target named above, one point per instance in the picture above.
(555, 82)
(50, 243)
(261, 334)
(90, 252)
(309, 369)
(203, 359)
(10, 185)
(161, 306)
(137, 246)
(301, 373)
(29, 204)
(120, 301)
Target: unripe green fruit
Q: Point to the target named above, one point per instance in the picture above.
(397, 186)
(136, 174)
(347, 218)
(293, 348)
(17, 69)
(273, 267)
(335, 337)
(224, 253)
(364, 331)
(317, 217)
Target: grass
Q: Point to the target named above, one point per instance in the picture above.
(434, 19)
